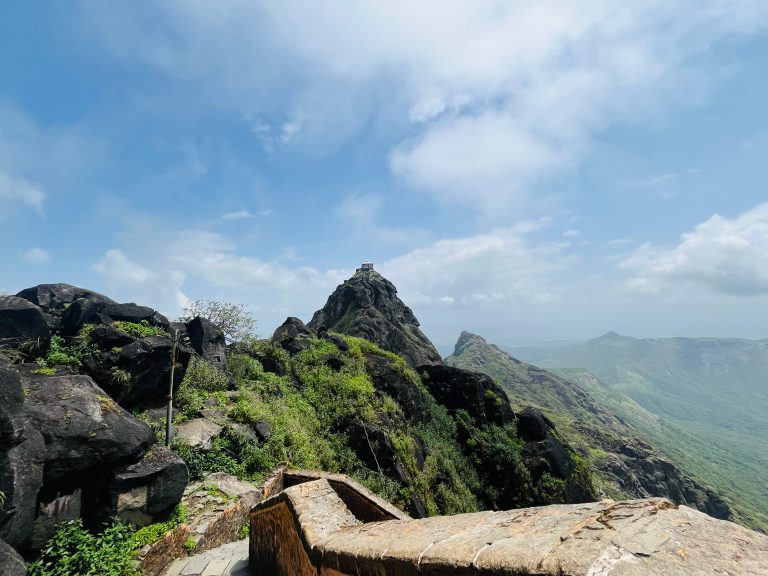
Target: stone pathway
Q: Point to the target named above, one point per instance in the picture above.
(227, 560)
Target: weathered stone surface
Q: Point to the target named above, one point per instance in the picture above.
(307, 529)
(208, 341)
(150, 488)
(23, 323)
(367, 306)
(85, 431)
(11, 563)
(198, 432)
(212, 520)
(22, 452)
(56, 297)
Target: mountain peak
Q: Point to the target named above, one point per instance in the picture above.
(466, 339)
(367, 305)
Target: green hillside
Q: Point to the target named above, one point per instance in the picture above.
(710, 396)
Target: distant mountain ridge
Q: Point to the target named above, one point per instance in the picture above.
(627, 466)
(712, 391)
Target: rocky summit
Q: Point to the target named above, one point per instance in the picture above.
(367, 306)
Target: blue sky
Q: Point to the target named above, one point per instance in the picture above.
(526, 170)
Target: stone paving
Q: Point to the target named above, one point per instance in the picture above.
(227, 560)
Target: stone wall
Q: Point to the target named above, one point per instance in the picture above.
(308, 529)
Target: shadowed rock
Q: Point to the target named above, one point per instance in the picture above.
(367, 306)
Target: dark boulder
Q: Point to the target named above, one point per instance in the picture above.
(134, 313)
(138, 374)
(85, 431)
(208, 341)
(81, 312)
(55, 297)
(292, 335)
(147, 491)
(367, 306)
(263, 430)
(108, 338)
(23, 323)
(459, 389)
(22, 452)
(11, 563)
(532, 425)
(389, 378)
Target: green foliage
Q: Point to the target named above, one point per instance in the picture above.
(2, 499)
(44, 370)
(200, 380)
(73, 551)
(141, 329)
(120, 376)
(190, 543)
(153, 532)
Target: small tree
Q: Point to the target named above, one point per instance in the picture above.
(237, 323)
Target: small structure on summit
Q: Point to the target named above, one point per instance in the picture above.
(366, 267)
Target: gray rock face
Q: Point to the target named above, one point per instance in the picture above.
(85, 431)
(11, 564)
(144, 492)
(367, 306)
(22, 452)
(22, 322)
(198, 432)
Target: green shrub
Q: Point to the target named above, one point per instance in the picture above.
(141, 329)
(153, 532)
(73, 551)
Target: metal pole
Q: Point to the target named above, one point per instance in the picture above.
(169, 413)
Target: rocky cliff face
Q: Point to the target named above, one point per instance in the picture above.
(367, 306)
(625, 465)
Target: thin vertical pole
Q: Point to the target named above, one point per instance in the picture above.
(169, 413)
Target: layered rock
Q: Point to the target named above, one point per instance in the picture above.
(367, 306)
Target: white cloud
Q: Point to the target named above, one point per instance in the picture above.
(238, 215)
(499, 266)
(18, 190)
(495, 96)
(36, 256)
(118, 269)
(726, 255)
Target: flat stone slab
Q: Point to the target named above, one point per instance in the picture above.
(312, 529)
(227, 560)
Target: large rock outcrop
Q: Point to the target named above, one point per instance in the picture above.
(125, 348)
(22, 453)
(367, 306)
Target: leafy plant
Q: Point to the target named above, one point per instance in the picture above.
(141, 329)
(153, 532)
(73, 551)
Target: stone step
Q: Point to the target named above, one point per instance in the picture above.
(227, 560)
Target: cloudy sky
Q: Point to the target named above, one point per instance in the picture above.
(526, 170)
